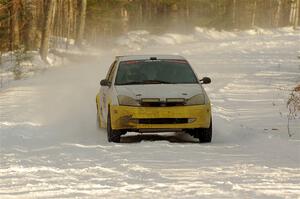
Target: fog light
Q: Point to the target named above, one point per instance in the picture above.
(190, 120)
(149, 100)
(175, 100)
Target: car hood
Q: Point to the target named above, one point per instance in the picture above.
(161, 91)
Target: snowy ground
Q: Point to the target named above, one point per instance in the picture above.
(50, 146)
(20, 64)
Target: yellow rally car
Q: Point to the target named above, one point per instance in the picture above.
(153, 93)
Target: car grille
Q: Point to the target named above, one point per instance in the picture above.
(156, 102)
(163, 121)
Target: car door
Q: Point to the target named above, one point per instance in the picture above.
(105, 92)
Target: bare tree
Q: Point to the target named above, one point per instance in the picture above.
(278, 13)
(234, 13)
(81, 22)
(253, 14)
(293, 11)
(71, 20)
(49, 14)
(296, 21)
(14, 24)
(31, 25)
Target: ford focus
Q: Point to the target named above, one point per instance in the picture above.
(153, 93)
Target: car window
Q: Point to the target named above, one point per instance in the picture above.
(111, 71)
(158, 71)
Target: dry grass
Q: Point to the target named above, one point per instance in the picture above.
(293, 105)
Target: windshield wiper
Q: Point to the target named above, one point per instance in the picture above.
(154, 81)
(131, 83)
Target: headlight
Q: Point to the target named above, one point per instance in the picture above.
(127, 101)
(196, 100)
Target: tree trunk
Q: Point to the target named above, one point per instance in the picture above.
(81, 22)
(31, 26)
(293, 12)
(297, 14)
(187, 10)
(253, 14)
(49, 13)
(70, 22)
(234, 14)
(124, 19)
(14, 24)
(278, 13)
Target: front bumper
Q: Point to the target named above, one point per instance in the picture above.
(175, 117)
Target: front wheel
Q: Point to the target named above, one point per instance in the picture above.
(98, 120)
(205, 135)
(99, 125)
(112, 135)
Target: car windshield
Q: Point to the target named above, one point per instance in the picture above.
(155, 72)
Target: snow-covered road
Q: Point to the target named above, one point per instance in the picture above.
(50, 146)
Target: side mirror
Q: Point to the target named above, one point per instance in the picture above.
(205, 80)
(105, 82)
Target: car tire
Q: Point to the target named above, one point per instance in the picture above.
(98, 122)
(205, 135)
(112, 136)
(98, 117)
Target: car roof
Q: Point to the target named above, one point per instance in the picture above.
(145, 57)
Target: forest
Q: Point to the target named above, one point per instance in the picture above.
(59, 95)
(43, 24)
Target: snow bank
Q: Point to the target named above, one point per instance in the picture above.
(137, 40)
(18, 65)
(212, 34)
